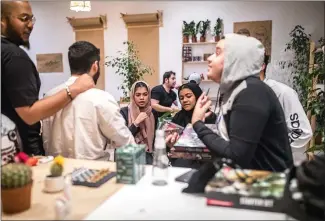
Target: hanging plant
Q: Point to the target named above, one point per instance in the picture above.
(130, 67)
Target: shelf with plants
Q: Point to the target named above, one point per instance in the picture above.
(195, 62)
(205, 47)
(201, 43)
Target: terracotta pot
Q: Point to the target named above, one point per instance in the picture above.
(318, 139)
(202, 39)
(185, 39)
(53, 184)
(17, 199)
(194, 39)
(217, 38)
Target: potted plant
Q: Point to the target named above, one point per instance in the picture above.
(16, 187)
(204, 29)
(55, 181)
(130, 67)
(186, 32)
(217, 30)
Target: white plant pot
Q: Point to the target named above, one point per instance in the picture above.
(53, 184)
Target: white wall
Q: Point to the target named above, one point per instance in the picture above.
(53, 34)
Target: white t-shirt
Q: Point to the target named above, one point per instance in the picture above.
(299, 128)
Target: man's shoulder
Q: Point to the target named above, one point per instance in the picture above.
(157, 88)
(97, 96)
(9, 49)
(280, 88)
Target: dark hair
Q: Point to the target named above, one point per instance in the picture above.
(194, 87)
(82, 55)
(266, 61)
(167, 75)
(140, 84)
(6, 8)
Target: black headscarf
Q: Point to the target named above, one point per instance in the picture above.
(184, 117)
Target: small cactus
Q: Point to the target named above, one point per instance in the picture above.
(15, 175)
(56, 170)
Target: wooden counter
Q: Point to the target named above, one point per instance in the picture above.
(84, 199)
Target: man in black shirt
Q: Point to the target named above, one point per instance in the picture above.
(20, 81)
(162, 96)
(252, 129)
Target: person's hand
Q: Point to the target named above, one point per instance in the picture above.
(141, 117)
(174, 109)
(83, 83)
(171, 139)
(200, 111)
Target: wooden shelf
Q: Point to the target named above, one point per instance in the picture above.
(201, 43)
(185, 81)
(195, 62)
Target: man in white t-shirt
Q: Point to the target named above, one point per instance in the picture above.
(299, 129)
(91, 124)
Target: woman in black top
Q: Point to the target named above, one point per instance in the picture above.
(188, 95)
(141, 118)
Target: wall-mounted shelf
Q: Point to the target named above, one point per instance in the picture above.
(185, 81)
(195, 62)
(201, 43)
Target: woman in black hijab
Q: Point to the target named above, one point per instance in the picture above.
(188, 95)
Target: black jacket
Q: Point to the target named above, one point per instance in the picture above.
(258, 136)
(134, 130)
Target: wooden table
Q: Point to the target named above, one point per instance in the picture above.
(84, 199)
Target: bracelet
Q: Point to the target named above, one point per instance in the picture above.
(68, 92)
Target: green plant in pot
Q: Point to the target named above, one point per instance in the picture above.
(195, 31)
(304, 77)
(186, 31)
(217, 29)
(204, 29)
(55, 181)
(130, 67)
(16, 187)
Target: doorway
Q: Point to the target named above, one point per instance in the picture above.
(143, 31)
(92, 30)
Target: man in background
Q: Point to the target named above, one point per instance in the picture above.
(91, 124)
(163, 96)
(299, 129)
(20, 83)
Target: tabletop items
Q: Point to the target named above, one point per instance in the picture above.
(130, 163)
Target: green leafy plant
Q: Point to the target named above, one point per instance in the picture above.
(192, 28)
(186, 29)
(218, 27)
(198, 28)
(303, 77)
(205, 27)
(15, 175)
(130, 67)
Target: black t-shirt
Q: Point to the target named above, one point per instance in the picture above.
(20, 85)
(257, 130)
(165, 99)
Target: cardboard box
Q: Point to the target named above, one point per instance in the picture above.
(130, 163)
